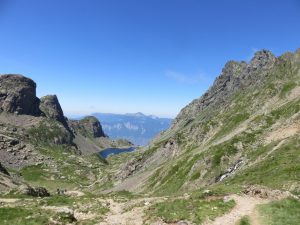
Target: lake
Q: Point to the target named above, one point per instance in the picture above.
(114, 151)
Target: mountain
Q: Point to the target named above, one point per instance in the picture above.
(243, 131)
(29, 125)
(229, 157)
(136, 127)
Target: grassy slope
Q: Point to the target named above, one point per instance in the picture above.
(199, 165)
(286, 211)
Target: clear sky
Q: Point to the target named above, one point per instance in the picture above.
(152, 56)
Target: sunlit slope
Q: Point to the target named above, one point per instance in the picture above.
(243, 130)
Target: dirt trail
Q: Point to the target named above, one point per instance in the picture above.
(245, 206)
(118, 215)
(128, 213)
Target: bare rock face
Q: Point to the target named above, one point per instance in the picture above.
(18, 95)
(263, 59)
(88, 126)
(50, 106)
(234, 76)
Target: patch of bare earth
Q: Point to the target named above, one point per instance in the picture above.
(128, 213)
(283, 133)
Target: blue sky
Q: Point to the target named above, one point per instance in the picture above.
(153, 56)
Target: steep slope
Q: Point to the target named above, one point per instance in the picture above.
(136, 127)
(243, 130)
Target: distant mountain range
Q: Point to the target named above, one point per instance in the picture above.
(135, 127)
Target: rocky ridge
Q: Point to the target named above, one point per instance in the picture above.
(218, 136)
(234, 76)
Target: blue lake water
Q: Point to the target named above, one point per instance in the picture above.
(114, 151)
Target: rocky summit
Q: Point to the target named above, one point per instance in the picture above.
(88, 126)
(50, 106)
(18, 95)
(231, 156)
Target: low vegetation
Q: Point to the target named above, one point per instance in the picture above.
(286, 211)
(244, 221)
(194, 210)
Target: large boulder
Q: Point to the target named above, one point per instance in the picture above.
(35, 192)
(3, 170)
(18, 95)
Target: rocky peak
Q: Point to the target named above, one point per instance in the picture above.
(263, 59)
(88, 126)
(51, 108)
(18, 95)
(234, 76)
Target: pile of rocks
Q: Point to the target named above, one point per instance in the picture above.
(264, 192)
(3, 170)
(16, 154)
(35, 192)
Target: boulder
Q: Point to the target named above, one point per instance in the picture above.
(3, 170)
(18, 95)
(35, 192)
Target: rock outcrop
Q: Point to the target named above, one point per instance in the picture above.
(234, 76)
(27, 121)
(33, 191)
(3, 170)
(50, 106)
(88, 127)
(18, 95)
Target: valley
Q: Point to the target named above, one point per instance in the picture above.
(229, 157)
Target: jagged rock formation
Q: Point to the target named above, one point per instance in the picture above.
(18, 95)
(235, 129)
(26, 121)
(234, 76)
(50, 106)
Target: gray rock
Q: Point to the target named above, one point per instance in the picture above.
(50, 106)
(3, 170)
(88, 126)
(234, 76)
(18, 95)
(35, 192)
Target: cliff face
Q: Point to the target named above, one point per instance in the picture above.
(88, 127)
(18, 95)
(50, 106)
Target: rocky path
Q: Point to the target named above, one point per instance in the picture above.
(128, 213)
(132, 212)
(245, 206)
